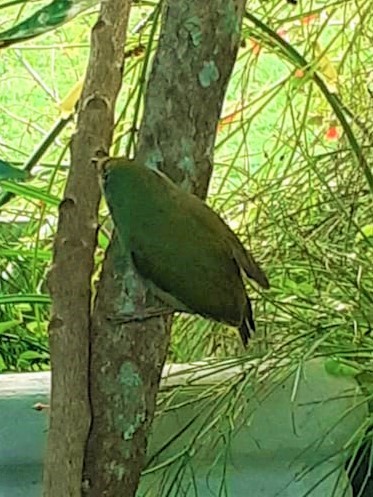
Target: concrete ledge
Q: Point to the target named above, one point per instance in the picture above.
(281, 440)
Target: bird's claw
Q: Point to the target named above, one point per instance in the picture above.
(148, 313)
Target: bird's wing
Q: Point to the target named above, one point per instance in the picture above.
(233, 245)
(248, 264)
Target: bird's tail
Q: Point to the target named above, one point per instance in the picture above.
(247, 327)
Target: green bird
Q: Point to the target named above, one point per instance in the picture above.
(190, 256)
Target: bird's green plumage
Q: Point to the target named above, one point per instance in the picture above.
(180, 244)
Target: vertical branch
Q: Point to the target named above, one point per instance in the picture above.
(195, 57)
(70, 277)
(125, 370)
(191, 70)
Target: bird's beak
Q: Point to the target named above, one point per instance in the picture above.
(101, 164)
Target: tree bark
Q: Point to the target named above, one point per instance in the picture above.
(191, 69)
(70, 277)
(194, 61)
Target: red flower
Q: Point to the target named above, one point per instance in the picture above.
(299, 73)
(255, 47)
(282, 33)
(308, 19)
(332, 134)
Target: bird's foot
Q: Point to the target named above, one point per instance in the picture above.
(148, 313)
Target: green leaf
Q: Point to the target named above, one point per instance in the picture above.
(2, 364)
(39, 255)
(45, 19)
(30, 355)
(7, 325)
(7, 171)
(25, 299)
(315, 121)
(366, 231)
(30, 192)
(338, 367)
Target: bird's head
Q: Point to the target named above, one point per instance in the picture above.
(113, 173)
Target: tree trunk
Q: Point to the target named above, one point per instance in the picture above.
(191, 69)
(194, 61)
(70, 277)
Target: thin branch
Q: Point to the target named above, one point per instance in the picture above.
(70, 277)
